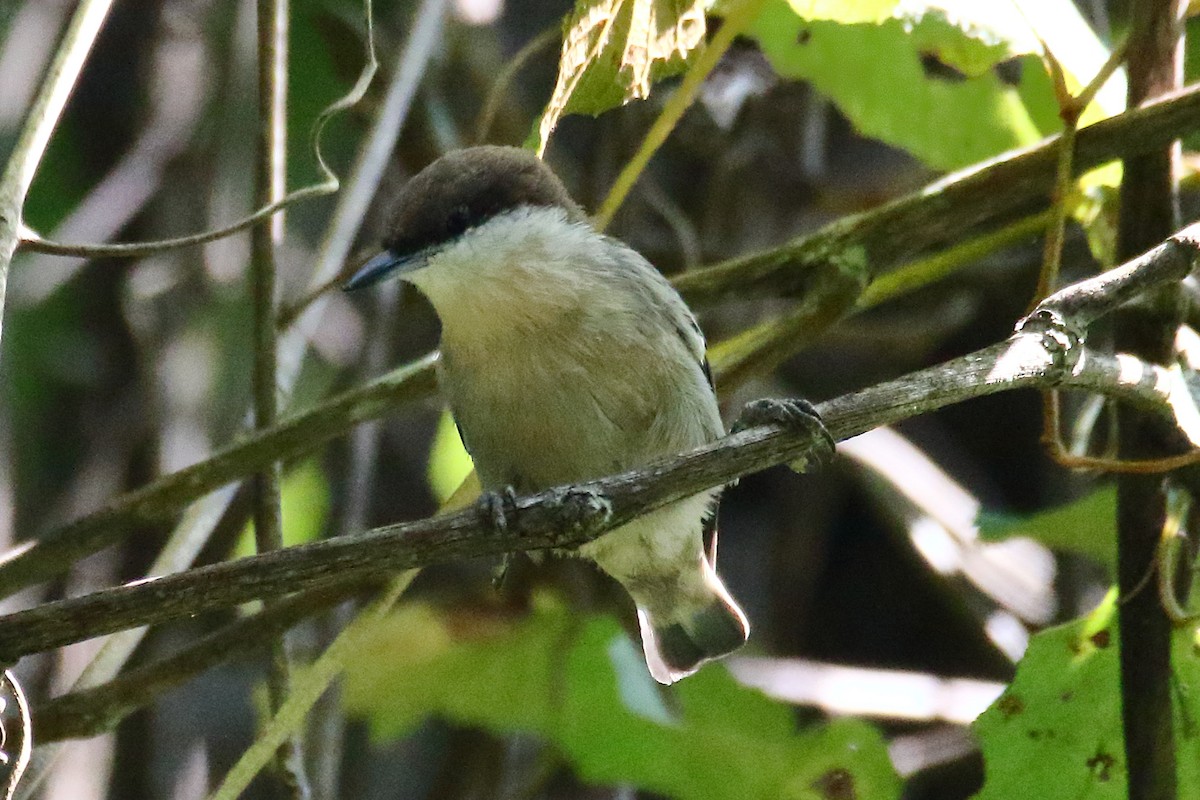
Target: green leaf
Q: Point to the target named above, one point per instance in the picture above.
(613, 50)
(1056, 731)
(1096, 210)
(305, 506)
(874, 72)
(921, 75)
(449, 462)
(580, 683)
(1087, 526)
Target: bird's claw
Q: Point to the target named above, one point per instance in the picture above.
(796, 414)
(497, 506)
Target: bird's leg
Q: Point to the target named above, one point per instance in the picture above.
(794, 413)
(495, 508)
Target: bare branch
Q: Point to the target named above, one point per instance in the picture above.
(1170, 262)
(91, 711)
(54, 552)
(1036, 356)
(39, 125)
(850, 251)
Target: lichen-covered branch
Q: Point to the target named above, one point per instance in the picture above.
(850, 251)
(1037, 356)
(54, 552)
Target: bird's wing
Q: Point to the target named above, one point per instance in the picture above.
(693, 338)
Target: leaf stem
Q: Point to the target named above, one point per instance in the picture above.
(740, 15)
(43, 116)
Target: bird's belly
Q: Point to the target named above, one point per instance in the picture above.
(535, 425)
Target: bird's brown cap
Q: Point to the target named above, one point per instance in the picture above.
(465, 188)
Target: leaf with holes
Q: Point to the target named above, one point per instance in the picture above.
(613, 50)
(951, 81)
(1056, 730)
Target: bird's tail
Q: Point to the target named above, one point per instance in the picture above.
(677, 644)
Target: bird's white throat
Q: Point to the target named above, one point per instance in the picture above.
(517, 273)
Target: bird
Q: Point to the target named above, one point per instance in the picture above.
(565, 357)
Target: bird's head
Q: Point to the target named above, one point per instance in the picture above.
(455, 194)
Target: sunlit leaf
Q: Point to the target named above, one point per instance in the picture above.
(449, 463)
(1056, 731)
(1086, 526)
(613, 50)
(953, 82)
(581, 684)
(305, 507)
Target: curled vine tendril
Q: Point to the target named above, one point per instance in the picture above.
(16, 734)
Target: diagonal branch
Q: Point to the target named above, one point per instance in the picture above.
(87, 712)
(47, 107)
(829, 268)
(852, 250)
(1045, 352)
(1036, 356)
(54, 552)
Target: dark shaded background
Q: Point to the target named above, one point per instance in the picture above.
(117, 371)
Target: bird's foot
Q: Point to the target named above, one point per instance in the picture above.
(796, 414)
(579, 508)
(495, 507)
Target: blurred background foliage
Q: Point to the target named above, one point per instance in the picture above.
(901, 585)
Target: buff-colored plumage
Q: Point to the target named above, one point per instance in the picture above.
(566, 357)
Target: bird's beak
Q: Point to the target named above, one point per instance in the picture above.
(383, 265)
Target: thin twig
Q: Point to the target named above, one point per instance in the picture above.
(1039, 355)
(372, 160)
(266, 492)
(326, 185)
(39, 125)
(736, 19)
(1071, 110)
(856, 248)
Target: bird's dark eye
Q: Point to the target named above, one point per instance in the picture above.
(459, 219)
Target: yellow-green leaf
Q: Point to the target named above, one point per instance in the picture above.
(304, 497)
(449, 462)
(613, 50)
